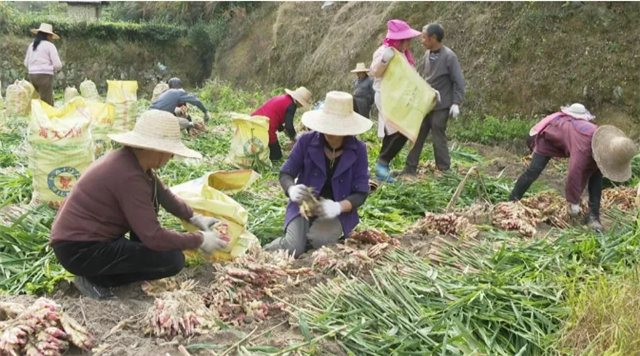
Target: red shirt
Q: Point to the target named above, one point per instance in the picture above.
(275, 109)
(568, 137)
(114, 196)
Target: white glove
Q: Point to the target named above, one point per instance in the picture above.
(211, 241)
(438, 96)
(207, 117)
(454, 111)
(299, 193)
(203, 223)
(387, 55)
(328, 209)
(573, 209)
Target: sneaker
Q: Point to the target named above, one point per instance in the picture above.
(383, 174)
(91, 290)
(594, 224)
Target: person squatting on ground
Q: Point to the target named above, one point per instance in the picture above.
(42, 61)
(121, 194)
(363, 94)
(399, 36)
(280, 110)
(329, 163)
(593, 152)
(442, 71)
(175, 101)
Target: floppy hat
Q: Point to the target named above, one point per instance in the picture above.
(302, 95)
(578, 111)
(360, 67)
(157, 131)
(400, 30)
(613, 152)
(46, 28)
(336, 117)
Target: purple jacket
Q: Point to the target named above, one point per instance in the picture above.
(306, 162)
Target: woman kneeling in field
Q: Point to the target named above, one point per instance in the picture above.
(331, 165)
(120, 194)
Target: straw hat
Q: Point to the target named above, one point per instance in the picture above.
(400, 30)
(336, 117)
(46, 28)
(578, 111)
(157, 131)
(360, 67)
(613, 152)
(302, 95)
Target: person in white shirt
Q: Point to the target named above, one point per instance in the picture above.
(42, 60)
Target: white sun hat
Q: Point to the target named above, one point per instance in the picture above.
(46, 28)
(360, 68)
(578, 111)
(156, 130)
(613, 152)
(336, 117)
(302, 95)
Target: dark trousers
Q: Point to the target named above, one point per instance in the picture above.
(391, 146)
(116, 263)
(275, 151)
(538, 163)
(44, 86)
(435, 122)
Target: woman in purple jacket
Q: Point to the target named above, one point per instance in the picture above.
(330, 164)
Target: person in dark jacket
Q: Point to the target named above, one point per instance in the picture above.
(328, 163)
(175, 101)
(280, 110)
(363, 94)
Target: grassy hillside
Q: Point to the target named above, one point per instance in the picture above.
(518, 58)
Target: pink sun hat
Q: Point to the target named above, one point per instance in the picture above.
(400, 30)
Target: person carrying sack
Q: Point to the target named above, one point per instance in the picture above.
(330, 164)
(593, 152)
(42, 61)
(120, 194)
(280, 110)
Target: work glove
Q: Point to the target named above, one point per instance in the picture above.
(454, 111)
(203, 223)
(207, 117)
(573, 209)
(438, 96)
(387, 55)
(299, 193)
(328, 209)
(211, 242)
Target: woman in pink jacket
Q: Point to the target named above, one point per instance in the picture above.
(42, 60)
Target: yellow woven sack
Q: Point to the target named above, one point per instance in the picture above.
(60, 149)
(124, 97)
(70, 93)
(18, 99)
(159, 90)
(31, 90)
(102, 119)
(208, 201)
(89, 91)
(250, 142)
(406, 97)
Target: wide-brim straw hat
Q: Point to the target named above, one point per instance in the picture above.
(302, 95)
(46, 28)
(156, 130)
(578, 111)
(360, 67)
(613, 152)
(336, 117)
(400, 30)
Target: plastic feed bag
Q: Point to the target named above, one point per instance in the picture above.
(89, 91)
(18, 100)
(70, 93)
(159, 90)
(123, 95)
(250, 142)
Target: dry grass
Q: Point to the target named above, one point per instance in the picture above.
(606, 318)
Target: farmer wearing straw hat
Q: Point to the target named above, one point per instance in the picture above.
(330, 164)
(42, 60)
(280, 110)
(593, 152)
(363, 95)
(399, 36)
(120, 194)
